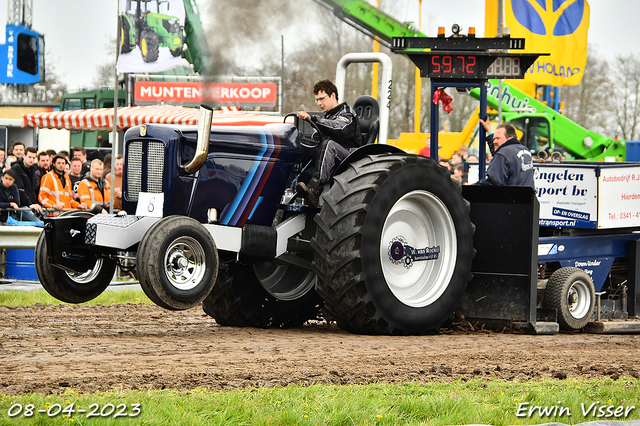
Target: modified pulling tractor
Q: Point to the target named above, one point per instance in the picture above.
(211, 217)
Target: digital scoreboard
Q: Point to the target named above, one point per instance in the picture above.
(466, 58)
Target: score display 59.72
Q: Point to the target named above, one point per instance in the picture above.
(472, 66)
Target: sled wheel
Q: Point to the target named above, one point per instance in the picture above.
(177, 263)
(125, 47)
(149, 46)
(570, 291)
(393, 246)
(72, 287)
(263, 295)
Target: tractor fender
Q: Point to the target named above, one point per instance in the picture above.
(363, 151)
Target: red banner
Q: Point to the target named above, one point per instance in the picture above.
(253, 94)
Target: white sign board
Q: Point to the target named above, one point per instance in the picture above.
(619, 197)
(568, 196)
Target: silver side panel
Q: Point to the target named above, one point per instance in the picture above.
(120, 232)
(226, 238)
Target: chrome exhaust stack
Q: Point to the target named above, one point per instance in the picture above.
(202, 145)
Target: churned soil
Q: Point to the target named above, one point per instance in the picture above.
(50, 348)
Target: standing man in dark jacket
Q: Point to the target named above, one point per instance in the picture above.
(25, 171)
(340, 124)
(512, 163)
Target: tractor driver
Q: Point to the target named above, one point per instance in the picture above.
(512, 163)
(339, 123)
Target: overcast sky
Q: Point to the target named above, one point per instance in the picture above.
(77, 32)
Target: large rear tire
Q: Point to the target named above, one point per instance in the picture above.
(177, 263)
(69, 287)
(263, 295)
(125, 37)
(393, 246)
(570, 291)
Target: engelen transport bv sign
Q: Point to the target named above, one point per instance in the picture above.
(241, 94)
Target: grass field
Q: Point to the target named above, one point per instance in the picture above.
(457, 403)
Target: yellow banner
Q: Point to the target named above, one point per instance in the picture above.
(558, 27)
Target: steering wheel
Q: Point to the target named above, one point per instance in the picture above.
(307, 141)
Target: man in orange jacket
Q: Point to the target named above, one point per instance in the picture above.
(94, 190)
(55, 188)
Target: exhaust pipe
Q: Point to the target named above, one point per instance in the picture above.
(543, 155)
(202, 145)
(556, 157)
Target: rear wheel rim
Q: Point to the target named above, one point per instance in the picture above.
(88, 276)
(578, 300)
(184, 263)
(418, 220)
(284, 282)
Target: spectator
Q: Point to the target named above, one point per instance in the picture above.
(456, 158)
(11, 159)
(459, 174)
(75, 176)
(464, 150)
(55, 189)
(2, 162)
(94, 191)
(9, 195)
(25, 169)
(472, 158)
(426, 149)
(107, 164)
(81, 153)
(117, 182)
(62, 153)
(42, 168)
(444, 162)
(18, 149)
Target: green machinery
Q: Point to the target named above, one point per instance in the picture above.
(146, 26)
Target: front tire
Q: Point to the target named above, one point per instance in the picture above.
(263, 295)
(149, 45)
(570, 291)
(177, 263)
(69, 287)
(393, 246)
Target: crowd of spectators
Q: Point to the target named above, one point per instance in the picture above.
(49, 182)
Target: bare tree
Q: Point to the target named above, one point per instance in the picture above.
(589, 103)
(53, 88)
(625, 83)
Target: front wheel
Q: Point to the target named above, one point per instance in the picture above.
(393, 246)
(72, 287)
(177, 263)
(570, 291)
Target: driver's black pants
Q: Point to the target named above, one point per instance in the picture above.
(331, 153)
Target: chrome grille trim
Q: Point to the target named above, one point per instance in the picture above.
(155, 167)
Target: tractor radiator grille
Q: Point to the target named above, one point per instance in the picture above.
(137, 159)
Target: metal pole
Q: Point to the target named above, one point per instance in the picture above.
(114, 137)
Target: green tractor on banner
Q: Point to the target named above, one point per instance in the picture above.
(144, 25)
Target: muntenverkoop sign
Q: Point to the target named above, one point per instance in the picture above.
(250, 95)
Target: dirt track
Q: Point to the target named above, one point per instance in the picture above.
(50, 348)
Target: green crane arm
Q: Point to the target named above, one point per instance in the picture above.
(370, 20)
(197, 52)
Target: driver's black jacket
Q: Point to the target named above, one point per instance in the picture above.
(341, 125)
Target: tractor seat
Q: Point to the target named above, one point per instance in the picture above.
(367, 110)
